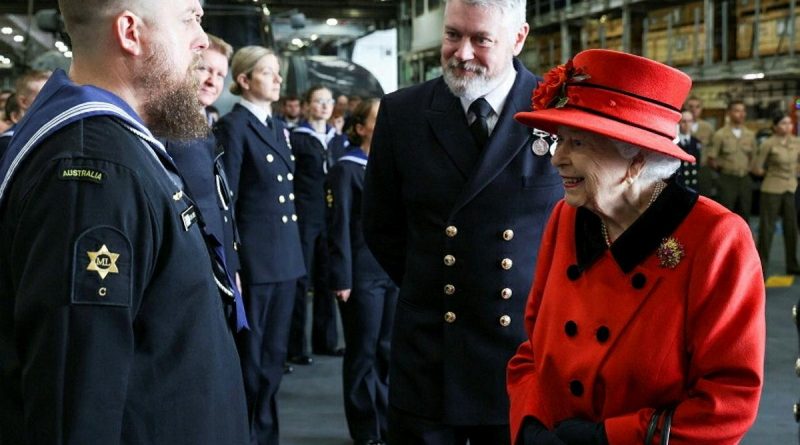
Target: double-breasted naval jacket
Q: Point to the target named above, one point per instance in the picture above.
(259, 165)
(458, 230)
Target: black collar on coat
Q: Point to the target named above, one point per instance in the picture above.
(642, 238)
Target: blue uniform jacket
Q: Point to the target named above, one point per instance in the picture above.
(200, 165)
(459, 232)
(688, 171)
(5, 139)
(316, 154)
(111, 326)
(350, 260)
(259, 165)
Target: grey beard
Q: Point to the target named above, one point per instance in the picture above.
(470, 89)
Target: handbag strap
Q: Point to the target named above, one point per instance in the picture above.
(652, 426)
(667, 426)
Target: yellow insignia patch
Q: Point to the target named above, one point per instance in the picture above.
(329, 198)
(103, 262)
(81, 174)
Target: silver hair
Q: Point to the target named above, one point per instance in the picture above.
(511, 9)
(657, 166)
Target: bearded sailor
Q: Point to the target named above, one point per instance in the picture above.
(112, 327)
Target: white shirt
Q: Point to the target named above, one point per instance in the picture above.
(260, 113)
(737, 132)
(496, 98)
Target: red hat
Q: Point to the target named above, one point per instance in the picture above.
(618, 95)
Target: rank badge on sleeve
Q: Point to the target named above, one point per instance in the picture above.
(101, 269)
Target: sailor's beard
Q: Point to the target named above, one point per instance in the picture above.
(171, 108)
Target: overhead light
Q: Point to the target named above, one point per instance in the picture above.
(314, 37)
(6, 30)
(68, 54)
(19, 39)
(297, 42)
(332, 22)
(753, 76)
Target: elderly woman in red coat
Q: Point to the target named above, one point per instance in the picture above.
(646, 316)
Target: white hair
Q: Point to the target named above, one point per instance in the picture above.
(514, 10)
(657, 166)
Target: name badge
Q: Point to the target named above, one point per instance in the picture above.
(189, 217)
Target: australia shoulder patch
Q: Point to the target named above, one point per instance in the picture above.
(81, 173)
(101, 268)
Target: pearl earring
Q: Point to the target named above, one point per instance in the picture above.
(629, 180)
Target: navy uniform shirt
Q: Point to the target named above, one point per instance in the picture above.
(350, 258)
(111, 326)
(316, 154)
(201, 167)
(5, 138)
(687, 173)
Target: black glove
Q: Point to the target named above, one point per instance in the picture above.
(534, 433)
(581, 432)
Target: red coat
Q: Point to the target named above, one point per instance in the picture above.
(614, 337)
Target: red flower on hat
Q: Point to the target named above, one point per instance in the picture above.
(552, 91)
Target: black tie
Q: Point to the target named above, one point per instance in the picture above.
(480, 127)
(269, 122)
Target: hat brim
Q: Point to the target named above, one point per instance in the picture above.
(550, 119)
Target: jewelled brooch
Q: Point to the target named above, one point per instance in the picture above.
(670, 253)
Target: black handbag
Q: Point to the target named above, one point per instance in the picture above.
(652, 427)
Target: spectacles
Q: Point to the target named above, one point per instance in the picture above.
(323, 101)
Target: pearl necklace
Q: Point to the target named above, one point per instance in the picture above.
(660, 185)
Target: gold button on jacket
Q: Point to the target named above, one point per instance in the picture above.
(506, 293)
(506, 264)
(449, 260)
(449, 317)
(451, 231)
(508, 235)
(449, 289)
(505, 320)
